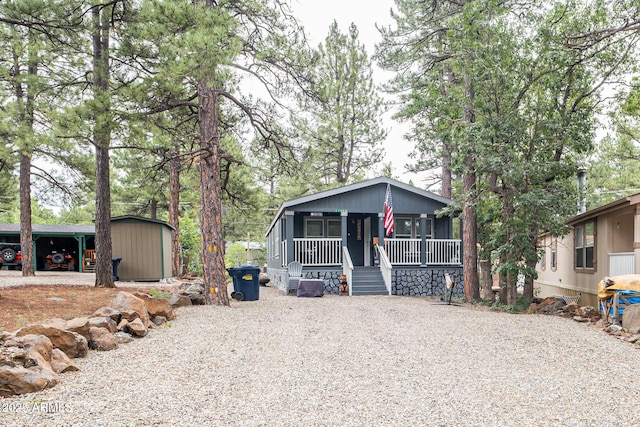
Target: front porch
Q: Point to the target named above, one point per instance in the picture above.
(326, 252)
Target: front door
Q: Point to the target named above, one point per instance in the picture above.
(355, 239)
(367, 241)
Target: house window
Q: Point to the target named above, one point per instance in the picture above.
(543, 259)
(403, 227)
(334, 228)
(554, 254)
(429, 228)
(585, 245)
(314, 228)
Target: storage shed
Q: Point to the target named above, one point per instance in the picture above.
(144, 244)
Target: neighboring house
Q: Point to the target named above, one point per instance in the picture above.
(340, 232)
(602, 242)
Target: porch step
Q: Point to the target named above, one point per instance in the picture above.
(367, 281)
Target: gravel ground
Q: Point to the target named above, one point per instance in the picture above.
(340, 361)
(13, 278)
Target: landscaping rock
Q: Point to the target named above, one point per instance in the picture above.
(102, 339)
(79, 325)
(71, 343)
(137, 328)
(159, 320)
(25, 365)
(131, 307)
(177, 300)
(122, 337)
(122, 326)
(197, 299)
(103, 322)
(157, 306)
(60, 363)
(550, 305)
(108, 312)
(631, 318)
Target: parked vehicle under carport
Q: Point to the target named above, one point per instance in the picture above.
(60, 261)
(11, 255)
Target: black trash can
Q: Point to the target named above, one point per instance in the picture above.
(245, 282)
(115, 262)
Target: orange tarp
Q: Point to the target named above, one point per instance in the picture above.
(628, 282)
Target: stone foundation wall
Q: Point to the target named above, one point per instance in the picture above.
(331, 279)
(424, 281)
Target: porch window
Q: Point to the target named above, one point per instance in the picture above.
(585, 245)
(403, 228)
(314, 228)
(334, 228)
(429, 228)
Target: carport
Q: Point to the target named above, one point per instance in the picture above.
(66, 243)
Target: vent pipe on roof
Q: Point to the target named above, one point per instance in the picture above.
(582, 191)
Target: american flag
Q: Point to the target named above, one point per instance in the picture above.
(388, 212)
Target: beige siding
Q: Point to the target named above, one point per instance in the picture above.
(614, 234)
(166, 255)
(140, 245)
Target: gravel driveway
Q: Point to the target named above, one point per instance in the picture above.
(340, 361)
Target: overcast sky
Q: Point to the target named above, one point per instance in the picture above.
(317, 16)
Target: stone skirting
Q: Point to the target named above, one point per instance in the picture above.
(424, 281)
(405, 281)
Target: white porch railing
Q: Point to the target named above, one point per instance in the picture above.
(621, 263)
(438, 251)
(385, 268)
(318, 251)
(347, 268)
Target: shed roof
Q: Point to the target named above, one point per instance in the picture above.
(52, 229)
(353, 187)
(125, 218)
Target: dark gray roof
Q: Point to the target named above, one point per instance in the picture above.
(63, 229)
(358, 186)
(139, 218)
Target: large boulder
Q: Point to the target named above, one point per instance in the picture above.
(131, 307)
(631, 318)
(71, 343)
(157, 306)
(102, 339)
(25, 365)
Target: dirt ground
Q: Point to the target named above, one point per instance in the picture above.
(63, 295)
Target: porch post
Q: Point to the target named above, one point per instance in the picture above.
(423, 239)
(289, 231)
(381, 229)
(343, 229)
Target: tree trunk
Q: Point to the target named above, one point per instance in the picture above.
(174, 211)
(102, 141)
(27, 117)
(154, 209)
(470, 237)
(26, 238)
(470, 224)
(212, 255)
(487, 279)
